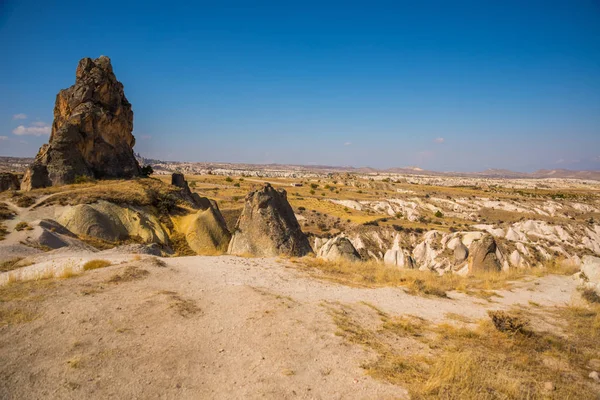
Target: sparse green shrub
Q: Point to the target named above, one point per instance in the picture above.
(228, 179)
(147, 170)
(439, 214)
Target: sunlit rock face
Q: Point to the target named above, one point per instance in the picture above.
(91, 133)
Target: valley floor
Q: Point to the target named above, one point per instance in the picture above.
(212, 327)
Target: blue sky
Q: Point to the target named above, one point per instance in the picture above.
(449, 86)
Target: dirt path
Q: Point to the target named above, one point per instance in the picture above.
(208, 327)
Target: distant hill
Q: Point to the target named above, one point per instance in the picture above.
(19, 164)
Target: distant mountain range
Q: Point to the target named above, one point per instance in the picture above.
(19, 164)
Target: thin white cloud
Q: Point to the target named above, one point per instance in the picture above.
(145, 137)
(439, 140)
(20, 116)
(39, 123)
(38, 129)
(348, 144)
(3, 137)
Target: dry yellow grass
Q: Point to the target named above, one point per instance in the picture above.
(18, 300)
(67, 273)
(137, 192)
(375, 274)
(9, 265)
(95, 264)
(449, 362)
(129, 274)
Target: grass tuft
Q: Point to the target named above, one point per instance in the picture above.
(95, 264)
(129, 274)
(505, 322)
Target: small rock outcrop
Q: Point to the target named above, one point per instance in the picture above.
(338, 248)
(205, 231)
(113, 223)
(268, 227)
(91, 133)
(9, 181)
(397, 256)
(178, 179)
(482, 256)
(590, 273)
(460, 252)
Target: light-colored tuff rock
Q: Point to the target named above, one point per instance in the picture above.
(397, 256)
(589, 275)
(338, 248)
(9, 181)
(268, 227)
(206, 231)
(483, 257)
(460, 253)
(112, 222)
(91, 133)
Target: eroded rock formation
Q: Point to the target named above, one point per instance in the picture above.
(268, 227)
(91, 133)
(205, 231)
(483, 257)
(338, 248)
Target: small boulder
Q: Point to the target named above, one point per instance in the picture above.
(267, 226)
(589, 275)
(482, 256)
(460, 252)
(194, 199)
(338, 248)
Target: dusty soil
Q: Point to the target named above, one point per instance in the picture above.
(210, 327)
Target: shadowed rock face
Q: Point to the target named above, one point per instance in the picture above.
(482, 256)
(91, 133)
(268, 227)
(9, 181)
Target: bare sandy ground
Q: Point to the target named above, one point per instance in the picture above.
(211, 327)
